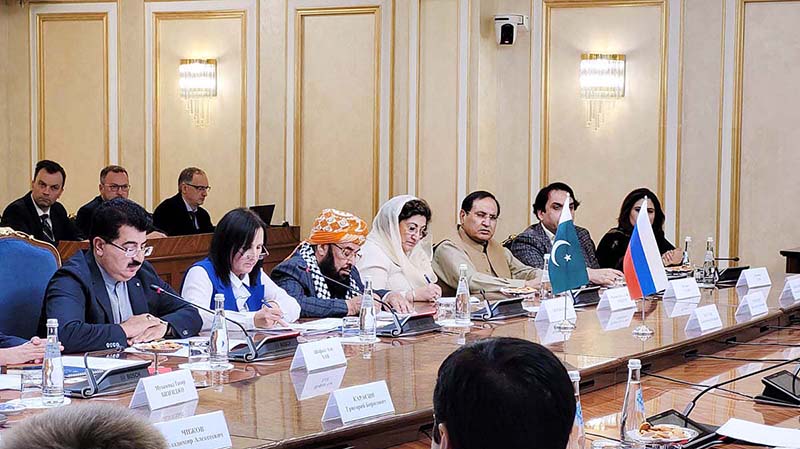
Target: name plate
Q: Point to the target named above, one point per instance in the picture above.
(616, 299)
(754, 277)
(318, 355)
(554, 310)
(359, 402)
(704, 319)
(752, 304)
(791, 291)
(164, 390)
(311, 384)
(209, 431)
(681, 289)
(613, 320)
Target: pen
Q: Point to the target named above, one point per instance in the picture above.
(428, 279)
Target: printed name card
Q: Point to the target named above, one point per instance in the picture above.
(754, 277)
(704, 319)
(359, 402)
(681, 289)
(791, 291)
(752, 304)
(554, 310)
(320, 354)
(613, 320)
(616, 299)
(164, 390)
(209, 431)
(308, 385)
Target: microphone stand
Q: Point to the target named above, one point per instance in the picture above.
(252, 353)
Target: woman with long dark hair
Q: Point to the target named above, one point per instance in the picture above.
(612, 247)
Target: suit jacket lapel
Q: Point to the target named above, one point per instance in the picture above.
(542, 237)
(36, 222)
(136, 296)
(99, 287)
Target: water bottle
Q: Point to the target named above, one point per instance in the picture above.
(577, 438)
(633, 414)
(686, 261)
(367, 330)
(462, 297)
(218, 346)
(52, 368)
(546, 290)
(709, 264)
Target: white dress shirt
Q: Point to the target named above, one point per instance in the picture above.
(41, 212)
(197, 288)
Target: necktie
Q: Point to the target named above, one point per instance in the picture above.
(193, 216)
(48, 231)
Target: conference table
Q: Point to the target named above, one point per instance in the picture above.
(263, 410)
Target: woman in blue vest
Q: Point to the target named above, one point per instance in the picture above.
(234, 268)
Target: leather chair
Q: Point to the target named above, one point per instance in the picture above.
(26, 266)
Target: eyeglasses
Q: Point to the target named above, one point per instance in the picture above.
(413, 229)
(349, 253)
(117, 187)
(483, 216)
(251, 253)
(133, 252)
(199, 188)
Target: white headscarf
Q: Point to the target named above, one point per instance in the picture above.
(385, 234)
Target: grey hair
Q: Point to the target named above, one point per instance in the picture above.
(187, 174)
(85, 426)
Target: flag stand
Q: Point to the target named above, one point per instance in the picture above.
(642, 331)
(565, 325)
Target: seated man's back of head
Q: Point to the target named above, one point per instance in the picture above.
(504, 393)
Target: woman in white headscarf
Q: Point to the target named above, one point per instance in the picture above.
(397, 254)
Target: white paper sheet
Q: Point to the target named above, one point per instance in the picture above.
(760, 433)
(10, 381)
(97, 362)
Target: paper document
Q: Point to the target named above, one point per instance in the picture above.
(317, 325)
(98, 362)
(760, 433)
(10, 381)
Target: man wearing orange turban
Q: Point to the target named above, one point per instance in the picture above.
(321, 273)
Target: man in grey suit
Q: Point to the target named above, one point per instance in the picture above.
(533, 243)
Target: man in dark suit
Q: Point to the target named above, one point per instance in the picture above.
(102, 296)
(39, 213)
(181, 214)
(18, 350)
(532, 244)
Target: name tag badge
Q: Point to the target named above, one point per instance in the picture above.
(752, 304)
(164, 390)
(359, 402)
(614, 320)
(616, 299)
(682, 289)
(209, 431)
(754, 277)
(553, 310)
(791, 291)
(704, 319)
(318, 355)
(311, 384)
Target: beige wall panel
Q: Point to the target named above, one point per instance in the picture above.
(5, 150)
(702, 59)
(18, 166)
(73, 95)
(603, 166)
(131, 94)
(400, 80)
(769, 154)
(337, 129)
(438, 112)
(217, 149)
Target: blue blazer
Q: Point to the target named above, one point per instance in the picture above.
(77, 297)
(9, 341)
(291, 275)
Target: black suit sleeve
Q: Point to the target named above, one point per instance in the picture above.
(183, 318)
(15, 217)
(162, 219)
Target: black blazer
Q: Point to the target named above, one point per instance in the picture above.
(84, 218)
(172, 217)
(9, 341)
(21, 215)
(77, 297)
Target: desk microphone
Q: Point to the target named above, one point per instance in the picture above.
(252, 352)
(355, 290)
(693, 402)
(732, 259)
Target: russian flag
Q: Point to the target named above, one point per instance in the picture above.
(642, 265)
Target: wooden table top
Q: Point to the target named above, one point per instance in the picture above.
(261, 404)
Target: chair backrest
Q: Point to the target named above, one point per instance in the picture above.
(26, 266)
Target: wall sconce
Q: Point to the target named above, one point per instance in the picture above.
(602, 84)
(198, 85)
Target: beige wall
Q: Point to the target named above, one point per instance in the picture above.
(502, 151)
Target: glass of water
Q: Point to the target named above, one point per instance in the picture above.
(30, 391)
(446, 311)
(350, 326)
(198, 351)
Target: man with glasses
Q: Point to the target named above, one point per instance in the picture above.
(531, 245)
(102, 297)
(38, 213)
(321, 274)
(490, 267)
(182, 213)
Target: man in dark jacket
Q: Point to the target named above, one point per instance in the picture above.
(182, 214)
